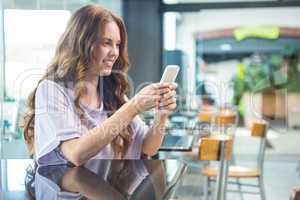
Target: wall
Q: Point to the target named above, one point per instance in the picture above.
(143, 24)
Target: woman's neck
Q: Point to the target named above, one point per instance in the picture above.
(91, 95)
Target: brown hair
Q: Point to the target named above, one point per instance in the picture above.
(71, 62)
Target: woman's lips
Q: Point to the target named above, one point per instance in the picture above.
(108, 62)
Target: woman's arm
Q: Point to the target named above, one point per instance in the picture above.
(80, 150)
(155, 135)
(89, 184)
(157, 176)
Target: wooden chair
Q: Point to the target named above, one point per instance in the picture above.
(205, 116)
(205, 120)
(221, 115)
(258, 129)
(226, 121)
(217, 148)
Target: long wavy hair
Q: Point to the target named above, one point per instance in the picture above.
(72, 61)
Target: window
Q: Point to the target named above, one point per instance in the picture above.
(30, 39)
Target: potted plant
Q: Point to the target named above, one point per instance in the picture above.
(260, 85)
(292, 62)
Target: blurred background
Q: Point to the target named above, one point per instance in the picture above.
(240, 53)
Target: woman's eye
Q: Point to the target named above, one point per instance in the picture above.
(110, 43)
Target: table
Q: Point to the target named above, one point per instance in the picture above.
(98, 179)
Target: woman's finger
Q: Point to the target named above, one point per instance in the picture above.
(164, 91)
(169, 95)
(173, 86)
(169, 107)
(159, 85)
(168, 102)
(164, 85)
(157, 98)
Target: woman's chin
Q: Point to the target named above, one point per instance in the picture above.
(106, 72)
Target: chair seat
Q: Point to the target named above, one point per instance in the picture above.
(234, 172)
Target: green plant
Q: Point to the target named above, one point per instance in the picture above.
(293, 63)
(266, 73)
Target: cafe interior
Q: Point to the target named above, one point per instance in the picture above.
(235, 132)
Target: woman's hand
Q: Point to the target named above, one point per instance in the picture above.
(168, 100)
(150, 96)
(155, 134)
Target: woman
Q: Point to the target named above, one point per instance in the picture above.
(79, 109)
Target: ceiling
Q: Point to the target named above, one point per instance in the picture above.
(197, 5)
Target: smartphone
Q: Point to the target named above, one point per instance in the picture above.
(170, 74)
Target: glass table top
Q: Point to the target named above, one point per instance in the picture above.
(97, 179)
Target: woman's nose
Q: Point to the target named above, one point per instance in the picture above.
(115, 50)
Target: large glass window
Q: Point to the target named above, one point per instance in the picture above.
(29, 45)
(1, 73)
(30, 33)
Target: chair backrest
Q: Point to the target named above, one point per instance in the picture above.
(210, 147)
(205, 116)
(225, 117)
(225, 123)
(205, 119)
(206, 113)
(259, 129)
(222, 120)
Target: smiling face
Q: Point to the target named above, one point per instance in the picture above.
(107, 51)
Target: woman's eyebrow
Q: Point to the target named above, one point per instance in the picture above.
(110, 40)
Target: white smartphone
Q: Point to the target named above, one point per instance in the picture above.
(170, 74)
